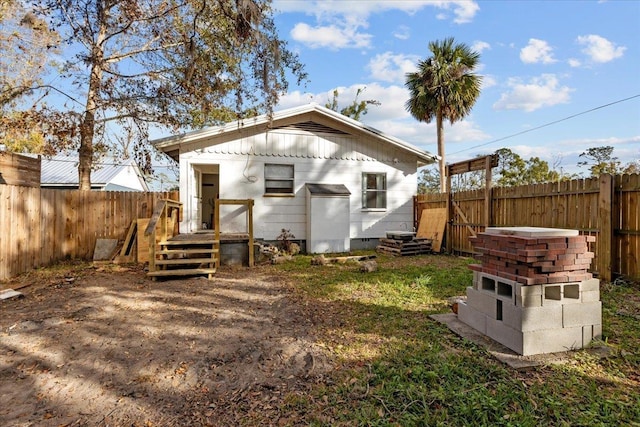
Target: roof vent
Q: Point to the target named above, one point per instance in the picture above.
(312, 127)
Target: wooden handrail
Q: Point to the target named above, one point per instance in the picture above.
(161, 206)
(161, 214)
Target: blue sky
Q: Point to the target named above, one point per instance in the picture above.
(541, 61)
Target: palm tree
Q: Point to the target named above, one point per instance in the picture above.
(444, 87)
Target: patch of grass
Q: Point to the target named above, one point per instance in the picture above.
(397, 367)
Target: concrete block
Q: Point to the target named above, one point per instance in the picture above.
(590, 285)
(571, 291)
(506, 290)
(512, 316)
(472, 317)
(487, 284)
(554, 294)
(529, 301)
(590, 296)
(551, 341)
(476, 276)
(506, 299)
(597, 331)
(528, 290)
(588, 313)
(482, 301)
(497, 278)
(541, 318)
(505, 335)
(590, 333)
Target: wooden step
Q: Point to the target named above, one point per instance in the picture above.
(185, 261)
(188, 242)
(187, 251)
(182, 272)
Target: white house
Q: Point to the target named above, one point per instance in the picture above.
(109, 174)
(333, 182)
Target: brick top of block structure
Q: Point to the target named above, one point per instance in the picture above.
(532, 231)
(533, 259)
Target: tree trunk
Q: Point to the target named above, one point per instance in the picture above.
(440, 130)
(87, 127)
(85, 152)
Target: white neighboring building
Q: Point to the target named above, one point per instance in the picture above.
(109, 174)
(272, 161)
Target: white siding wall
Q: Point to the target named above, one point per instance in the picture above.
(315, 160)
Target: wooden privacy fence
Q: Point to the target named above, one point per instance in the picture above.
(605, 207)
(39, 227)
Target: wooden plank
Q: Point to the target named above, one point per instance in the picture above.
(155, 218)
(19, 170)
(250, 227)
(142, 241)
(627, 226)
(605, 239)
(5, 223)
(448, 219)
(432, 226)
(476, 164)
(464, 218)
(128, 246)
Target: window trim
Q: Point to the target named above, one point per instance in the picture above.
(280, 179)
(366, 191)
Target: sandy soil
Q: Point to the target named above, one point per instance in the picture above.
(106, 346)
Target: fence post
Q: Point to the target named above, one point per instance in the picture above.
(449, 225)
(488, 193)
(604, 244)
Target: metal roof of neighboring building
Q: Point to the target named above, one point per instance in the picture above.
(62, 171)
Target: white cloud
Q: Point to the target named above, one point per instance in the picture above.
(464, 10)
(388, 67)
(332, 36)
(488, 81)
(537, 51)
(402, 32)
(573, 62)
(338, 24)
(479, 46)
(599, 49)
(391, 116)
(297, 98)
(543, 91)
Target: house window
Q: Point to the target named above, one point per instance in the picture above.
(278, 179)
(374, 190)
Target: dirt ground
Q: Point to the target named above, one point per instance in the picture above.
(106, 346)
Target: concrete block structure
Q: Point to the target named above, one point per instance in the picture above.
(532, 291)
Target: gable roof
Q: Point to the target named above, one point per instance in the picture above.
(62, 171)
(309, 117)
